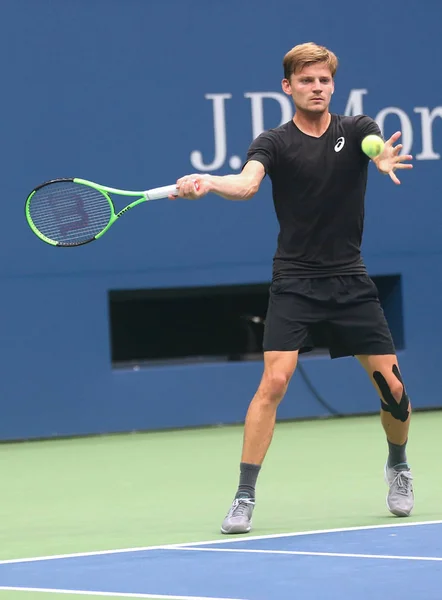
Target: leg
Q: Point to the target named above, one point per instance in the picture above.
(289, 314)
(261, 415)
(258, 432)
(384, 373)
(360, 329)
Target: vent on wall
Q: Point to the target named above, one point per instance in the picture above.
(206, 324)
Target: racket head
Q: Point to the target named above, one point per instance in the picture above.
(65, 212)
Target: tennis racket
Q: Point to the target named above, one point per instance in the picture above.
(73, 212)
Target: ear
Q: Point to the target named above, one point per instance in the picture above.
(286, 87)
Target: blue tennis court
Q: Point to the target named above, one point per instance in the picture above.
(401, 561)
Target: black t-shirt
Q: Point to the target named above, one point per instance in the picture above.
(318, 193)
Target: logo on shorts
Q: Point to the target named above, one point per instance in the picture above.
(339, 144)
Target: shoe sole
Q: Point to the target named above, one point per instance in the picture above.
(397, 513)
(232, 531)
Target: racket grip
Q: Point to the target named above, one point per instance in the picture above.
(164, 192)
(161, 192)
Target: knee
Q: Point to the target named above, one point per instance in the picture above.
(274, 385)
(393, 394)
(396, 389)
(391, 386)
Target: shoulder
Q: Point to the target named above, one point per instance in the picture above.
(271, 140)
(359, 126)
(277, 134)
(354, 122)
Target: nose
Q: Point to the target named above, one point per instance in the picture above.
(317, 87)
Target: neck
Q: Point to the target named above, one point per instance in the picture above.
(312, 124)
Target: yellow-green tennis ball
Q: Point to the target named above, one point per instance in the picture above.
(372, 145)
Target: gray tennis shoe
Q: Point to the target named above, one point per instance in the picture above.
(400, 497)
(239, 517)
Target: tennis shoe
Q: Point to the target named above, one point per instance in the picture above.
(400, 497)
(239, 517)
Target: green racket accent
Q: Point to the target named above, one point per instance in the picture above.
(73, 212)
(104, 188)
(108, 190)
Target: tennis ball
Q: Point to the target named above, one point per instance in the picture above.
(372, 145)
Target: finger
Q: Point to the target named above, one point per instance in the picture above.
(394, 178)
(393, 138)
(400, 166)
(404, 157)
(182, 191)
(186, 178)
(188, 185)
(189, 191)
(397, 149)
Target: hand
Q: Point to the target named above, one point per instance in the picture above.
(192, 187)
(389, 160)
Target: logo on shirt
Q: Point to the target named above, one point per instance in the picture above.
(339, 144)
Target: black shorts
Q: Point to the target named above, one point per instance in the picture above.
(342, 314)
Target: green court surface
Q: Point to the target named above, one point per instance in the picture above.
(145, 489)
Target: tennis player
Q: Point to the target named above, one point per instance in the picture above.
(321, 294)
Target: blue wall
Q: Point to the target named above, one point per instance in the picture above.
(122, 92)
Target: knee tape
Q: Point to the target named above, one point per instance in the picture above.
(398, 410)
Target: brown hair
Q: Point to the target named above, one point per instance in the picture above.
(306, 54)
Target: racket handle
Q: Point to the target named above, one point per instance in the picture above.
(164, 192)
(161, 192)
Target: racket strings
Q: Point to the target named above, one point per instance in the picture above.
(69, 213)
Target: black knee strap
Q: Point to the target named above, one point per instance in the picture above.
(398, 410)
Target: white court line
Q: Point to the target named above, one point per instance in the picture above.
(306, 553)
(228, 540)
(300, 533)
(83, 554)
(109, 594)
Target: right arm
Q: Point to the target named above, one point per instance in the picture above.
(232, 187)
(260, 160)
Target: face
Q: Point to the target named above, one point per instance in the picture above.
(311, 88)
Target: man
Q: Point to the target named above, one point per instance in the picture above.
(321, 293)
